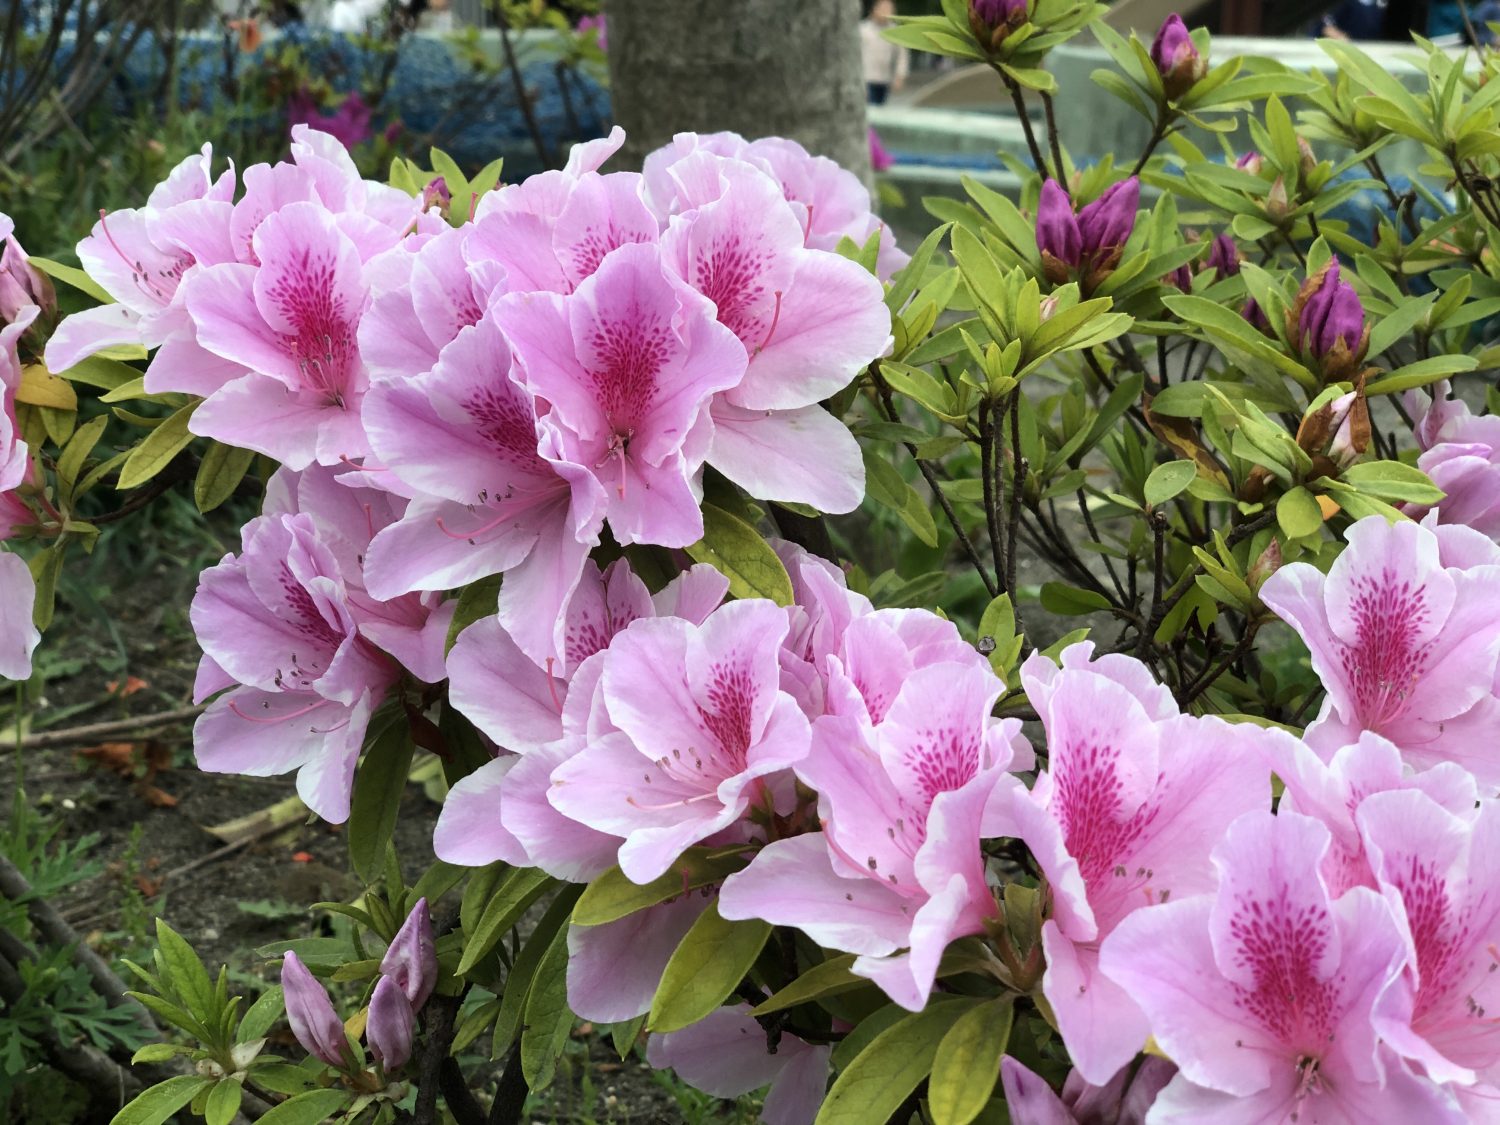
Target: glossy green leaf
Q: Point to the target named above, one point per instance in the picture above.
(379, 783)
(156, 450)
(155, 1105)
(737, 551)
(219, 474)
(316, 1107)
(705, 969)
(612, 896)
(1168, 481)
(967, 1063)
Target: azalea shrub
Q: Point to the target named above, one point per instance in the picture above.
(682, 528)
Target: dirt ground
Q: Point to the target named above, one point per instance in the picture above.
(151, 812)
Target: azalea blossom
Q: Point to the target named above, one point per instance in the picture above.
(809, 322)
(1461, 453)
(629, 362)
(18, 634)
(897, 866)
(1405, 645)
(615, 968)
(276, 624)
(726, 1054)
(700, 723)
(1437, 872)
(1121, 821)
(1263, 991)
(1333, 791)
(543, 717)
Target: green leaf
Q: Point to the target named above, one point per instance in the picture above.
(219, 474)
(157, 449)
(880, 1077)
(223, 1102)
(259, 1017)
(612, 896)
(1393, 480)
(183, 972)
(316, 1107)
(1298, 514)
(154, 1105)
(76, 452)
(378, 786)
(737, 551)
(827, 978)
(516, 892)
(72, 276)
(96, 371)
(523, 970)
(548, 1019)
(1070, 601)
(1169, 480)
(705, 968)
(1421, 373)
(968, 1062)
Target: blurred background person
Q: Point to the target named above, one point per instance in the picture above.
(885, 63)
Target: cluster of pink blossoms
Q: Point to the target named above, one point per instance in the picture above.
(19, 309)
(452, 403)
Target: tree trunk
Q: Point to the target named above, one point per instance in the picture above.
(760, 68)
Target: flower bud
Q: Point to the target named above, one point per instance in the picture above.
(1253, 313)
(21, 284)
(436, 194)
(310, 1012)
(880, 157)
(1181, 277)
(1047, 308)
(1224, 257)
(1176, 57)
(992, 20)
(1278, 204)
(1266, 565)
(1106, 223)
(1330, 317)
(1351, 437)
(388, 1026)
(1057, 233)
(1250, 162)
(411, 960)
(1307, 160)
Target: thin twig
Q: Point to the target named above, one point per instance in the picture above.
(889, 403)
(71, 735)
(1053, 141)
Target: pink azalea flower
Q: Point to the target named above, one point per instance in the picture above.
(18, 635)
(726, 1054)
(291, 322)
(552, 230)
(1406, 646)
(276, 624)
(423, 295)
(463, 438)
(830, 202)
(1334, 791)
(1436, 870)
(412, 627)
(822, 609)
(1120, 821)
(1123, 1100)
(700, 722)
(809, 322)
(628, 362)
(1461, 453)
(897, 865)
(141, 256)
(1262, 992)
(544, 716)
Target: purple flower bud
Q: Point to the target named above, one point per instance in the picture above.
(411, 960)
(1182, 277)
(310, 1012)
(992, 20)
(21, 285)
(1106, 223)
(1057, 231)
(388, 1026)
(436, 194)
(1224, 257)
(880, 157)
(1250, 162)
(1253, 313)
(1176, 57)
(1330, 313)
(993, 13)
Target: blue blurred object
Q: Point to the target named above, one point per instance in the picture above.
(431, 91)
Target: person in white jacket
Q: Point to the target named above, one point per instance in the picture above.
(885, 63)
